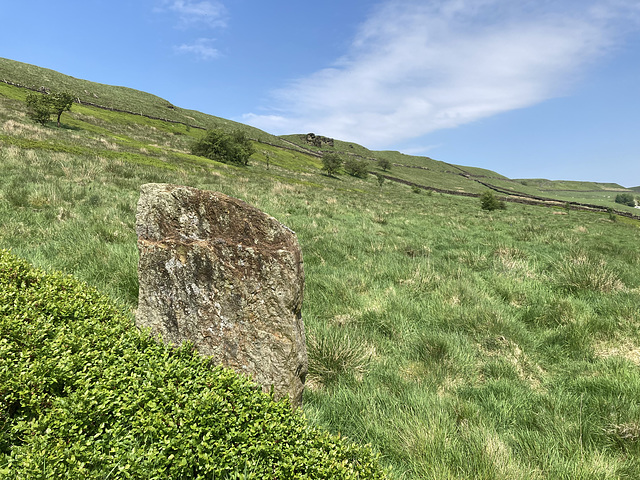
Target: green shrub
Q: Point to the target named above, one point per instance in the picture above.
(221, 146)
(356, 167)
(488, 201)
(38, 108)
(625, 199)
(331, 163)
(83, 394)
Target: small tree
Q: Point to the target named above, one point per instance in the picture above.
(379, 179)
(357, 167)
(626, 199)
(384, 164)
(42, 106)
(218, 145)
(488, 201)
(331, 163)
(60, 102)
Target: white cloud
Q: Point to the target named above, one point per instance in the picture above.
(415, 67)
(210, 13)
(201, 48)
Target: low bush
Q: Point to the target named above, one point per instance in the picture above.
(83, 394)
(625, 199)
(488, 201)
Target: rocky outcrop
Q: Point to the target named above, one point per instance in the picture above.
(223, 275)
(319, 141)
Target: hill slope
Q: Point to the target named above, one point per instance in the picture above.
(460, 343)
(424, 172)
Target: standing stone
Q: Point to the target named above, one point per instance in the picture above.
(227, 277)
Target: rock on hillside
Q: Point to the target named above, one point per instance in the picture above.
(223, 275)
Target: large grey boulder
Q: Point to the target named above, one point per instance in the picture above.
(220, 273)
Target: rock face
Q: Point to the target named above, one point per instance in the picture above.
(227, 277)
(318, 140)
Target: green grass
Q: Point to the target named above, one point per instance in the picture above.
(460, 343)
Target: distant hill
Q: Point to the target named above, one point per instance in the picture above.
(568, 185)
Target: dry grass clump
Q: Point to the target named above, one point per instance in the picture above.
(627, 351)
(582, 272)
(627, 432)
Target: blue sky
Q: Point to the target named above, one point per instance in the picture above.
(530, 89)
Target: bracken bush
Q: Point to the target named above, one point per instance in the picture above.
(84, 394)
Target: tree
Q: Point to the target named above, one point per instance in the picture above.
(625, 199)
(488, 201)
(42, 106)
(218, 145)
(60, 102)
(357, 167)
(331, 163)
(384, 164)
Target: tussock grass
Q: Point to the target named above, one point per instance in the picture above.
(333, 354)
(582, 272)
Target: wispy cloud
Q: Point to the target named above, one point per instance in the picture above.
(209, 13)
(201, 48)
(415, 67)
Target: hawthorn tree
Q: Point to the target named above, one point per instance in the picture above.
(60, 102)
(331, 163)
(357, 167)
(38, 108)
(42, 106)
(384, 164)
(625, 199)
(234, 147)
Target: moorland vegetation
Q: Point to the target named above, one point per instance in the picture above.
(459, 342)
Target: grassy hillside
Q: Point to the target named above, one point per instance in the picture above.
(460, 343)
(440, 176)
(118, 98)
